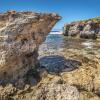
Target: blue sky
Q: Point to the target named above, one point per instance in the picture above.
(70, 10)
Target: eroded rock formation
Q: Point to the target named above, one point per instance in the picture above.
(85, 29)
(54, 90)
(21, 33)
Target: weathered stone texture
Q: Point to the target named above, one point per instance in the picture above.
(21, 33)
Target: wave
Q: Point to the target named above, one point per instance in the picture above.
(56, 32)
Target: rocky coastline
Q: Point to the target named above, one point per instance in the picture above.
(21, 33)
(71, 75)
(88, 29)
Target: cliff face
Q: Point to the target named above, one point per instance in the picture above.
(84, 29)
(21, 33)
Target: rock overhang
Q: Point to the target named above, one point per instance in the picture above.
(21, 33)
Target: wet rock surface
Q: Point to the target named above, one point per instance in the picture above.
(57, 64)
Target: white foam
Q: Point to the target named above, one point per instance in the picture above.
(88, 44)
(58, 32)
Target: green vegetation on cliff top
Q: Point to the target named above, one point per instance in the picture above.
(96, 19)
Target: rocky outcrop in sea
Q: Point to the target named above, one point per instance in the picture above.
(89, 29)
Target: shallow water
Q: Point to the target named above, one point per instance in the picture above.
(56, 43)
(59, 53)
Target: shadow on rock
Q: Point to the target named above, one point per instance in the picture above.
(56, 64)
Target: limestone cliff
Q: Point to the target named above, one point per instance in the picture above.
(84, 29)
(21, 33)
